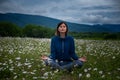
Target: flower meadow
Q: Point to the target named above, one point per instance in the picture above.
(20, 60)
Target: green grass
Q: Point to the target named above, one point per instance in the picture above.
(20, 60)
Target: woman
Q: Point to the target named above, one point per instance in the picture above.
(63, 54)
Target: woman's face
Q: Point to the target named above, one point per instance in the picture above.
(62, 28)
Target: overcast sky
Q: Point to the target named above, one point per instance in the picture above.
(77, 11)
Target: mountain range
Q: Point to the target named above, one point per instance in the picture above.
(24, 19)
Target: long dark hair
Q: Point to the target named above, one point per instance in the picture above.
(57, 32)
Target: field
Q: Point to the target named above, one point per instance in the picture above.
(20, 60)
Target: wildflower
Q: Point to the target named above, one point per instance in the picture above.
(35, 77)
(89, 69)
(88, 75)
(23, 78)
(11, 51)
(109, 73)
(32, 72)
(1, 49)
(56, 71)
(118, 69)
(17, 58)
(26, 64)
(29, 66)
(95, 69)
(1, 68)
(95, 62)
(80, 75)
(43, 69)
(10, 61)
(103, 76)
(113, 57)
(24, 72)
(11, 69)
(19, 64)
(1, 63)
(19, 52)
(45, 74)
(72, 72)
(4, 64)
(26, 60)
(100, 72)
(15, 77)
(44, 77)
(85, 70)
(118, 77)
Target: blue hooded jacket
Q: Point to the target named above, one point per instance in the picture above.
(63, 49)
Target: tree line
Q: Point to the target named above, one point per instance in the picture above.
(8, 29)
(96, 35)
(30, 30)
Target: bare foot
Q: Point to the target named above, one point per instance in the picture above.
(83, 59)
(44, 57)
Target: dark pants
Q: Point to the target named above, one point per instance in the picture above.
(63, 64)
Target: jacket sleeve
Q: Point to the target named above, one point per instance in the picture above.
(72, 50)
(52, 49)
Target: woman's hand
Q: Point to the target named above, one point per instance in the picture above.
(83, 59)
(44, 57)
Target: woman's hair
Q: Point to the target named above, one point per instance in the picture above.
(57, 32)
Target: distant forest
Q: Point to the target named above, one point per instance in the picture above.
(8, 29)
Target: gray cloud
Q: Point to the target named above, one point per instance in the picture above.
(78, 11)
(3, 1)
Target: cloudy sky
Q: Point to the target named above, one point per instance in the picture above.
(77, 11)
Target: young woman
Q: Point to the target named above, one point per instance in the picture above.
(63, 54)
